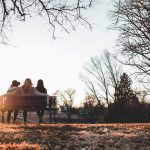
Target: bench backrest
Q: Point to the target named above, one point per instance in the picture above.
(12, 101)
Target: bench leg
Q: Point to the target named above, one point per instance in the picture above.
(54, 116)
(50, 116)
(2, 117)
(55, 111)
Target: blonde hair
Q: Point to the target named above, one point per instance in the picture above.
(27, 85)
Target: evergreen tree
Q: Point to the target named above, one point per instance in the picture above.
(123, 91)
(126, 105)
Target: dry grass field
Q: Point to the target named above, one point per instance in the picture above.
(35, 136)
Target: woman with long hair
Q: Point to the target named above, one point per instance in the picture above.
(40, 87)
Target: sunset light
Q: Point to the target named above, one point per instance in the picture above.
(75, 75)
(33, 53)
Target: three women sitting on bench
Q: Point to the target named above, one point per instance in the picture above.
(27, 89)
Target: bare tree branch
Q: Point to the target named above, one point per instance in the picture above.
(65, 14)
(132, 20)
(101, 76)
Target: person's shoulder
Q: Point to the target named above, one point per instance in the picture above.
(19, 87)
(33, 88)
(11, 89)
(45, 90)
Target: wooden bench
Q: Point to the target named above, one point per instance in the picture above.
(30, 103)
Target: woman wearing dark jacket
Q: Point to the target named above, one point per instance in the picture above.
(40, 87)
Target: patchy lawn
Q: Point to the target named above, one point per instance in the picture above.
(36, 136)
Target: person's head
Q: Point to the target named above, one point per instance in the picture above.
(15, 83)
(28, 82)
(40, 83)
(27, 85)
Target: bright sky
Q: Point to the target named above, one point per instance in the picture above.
(58, 62)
